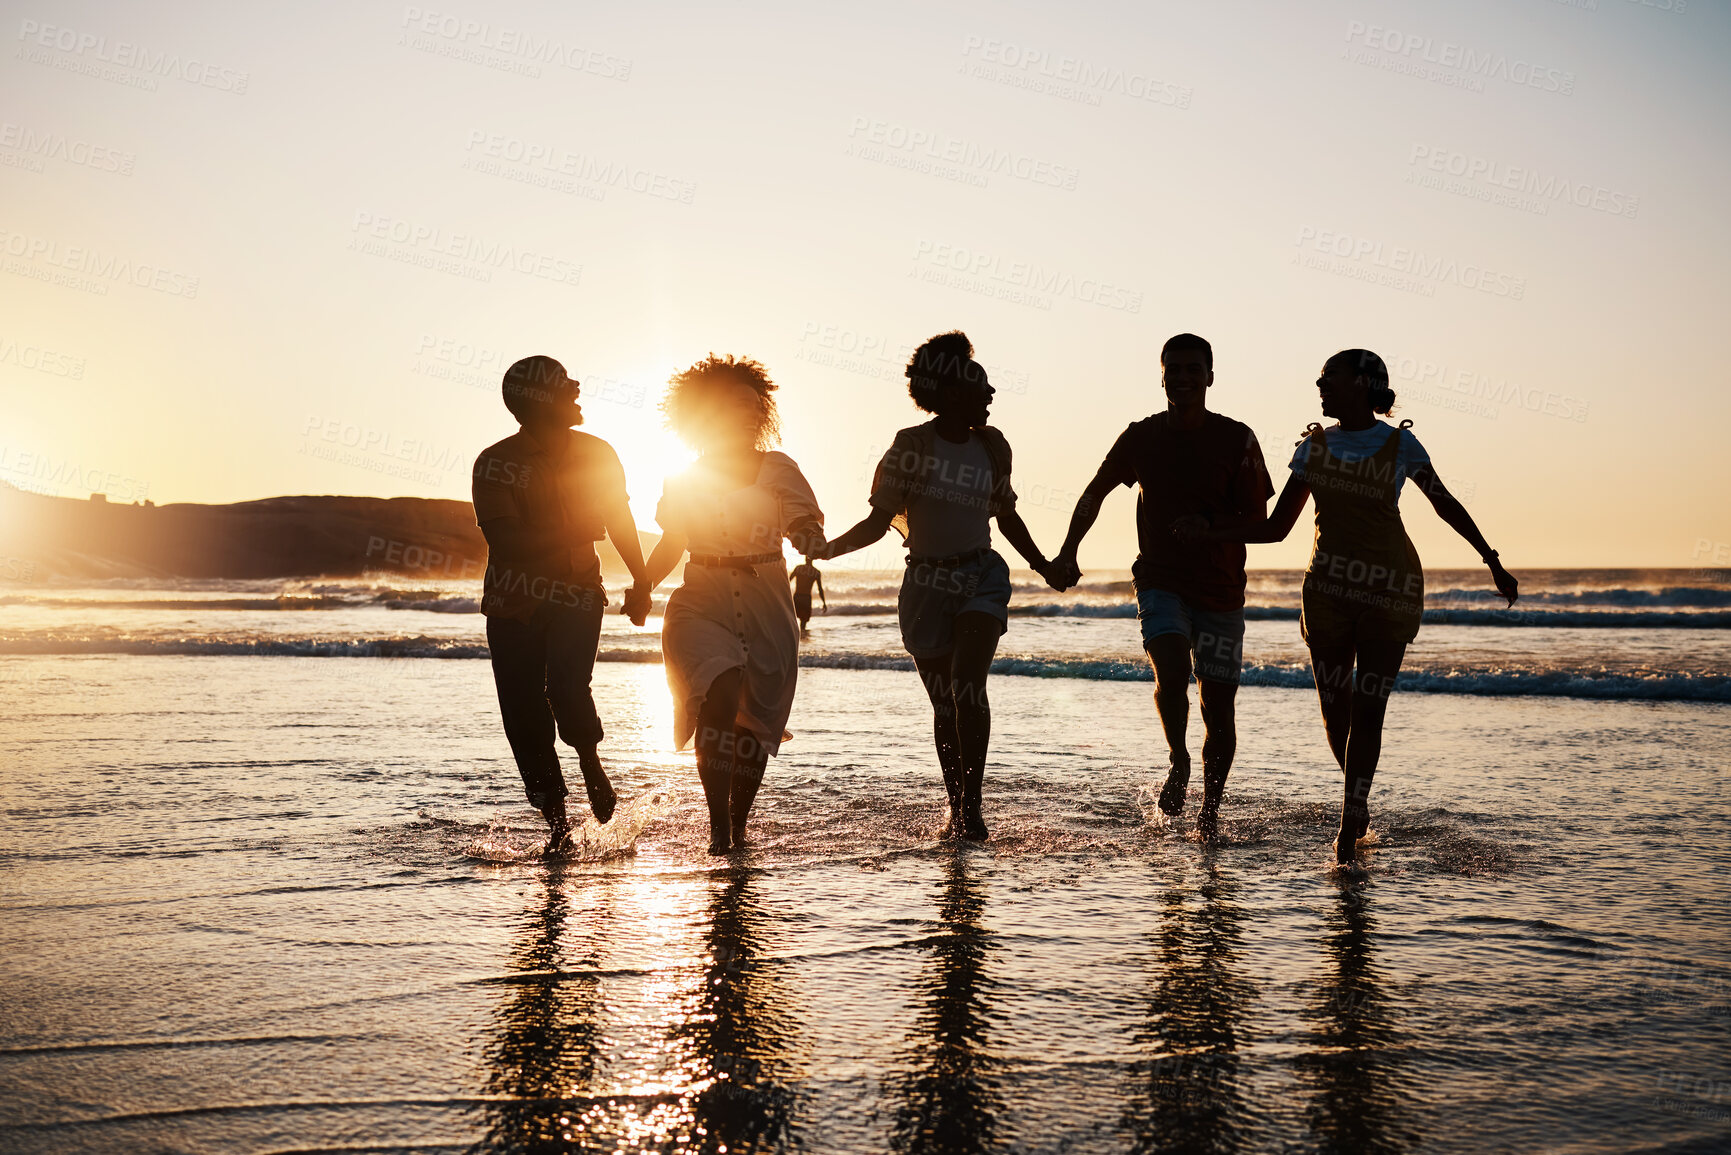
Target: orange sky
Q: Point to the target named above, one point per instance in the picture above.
(257, 252)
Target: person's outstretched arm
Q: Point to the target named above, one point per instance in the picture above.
(1455, 515)
(1081, 521)
(1016, 533)
(622, 531)
(662, 559)
(874, 525)
(1251, 530)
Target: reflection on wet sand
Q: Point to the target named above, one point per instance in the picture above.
(548, 1035)
(741, 1033)
(1355, 1054)
(721, 1078)
(948, 1097)
(1187, 1096)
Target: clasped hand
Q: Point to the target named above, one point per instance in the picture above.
(638, 600)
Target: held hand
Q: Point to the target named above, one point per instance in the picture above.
(1062, 573)
(638, 600)
(1506, 583)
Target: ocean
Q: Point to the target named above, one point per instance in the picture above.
(270, 886)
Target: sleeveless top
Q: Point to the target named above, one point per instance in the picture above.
(1361, 553)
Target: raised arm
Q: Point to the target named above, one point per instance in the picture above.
(872, 527)
(1081, 521)
(1456, 517)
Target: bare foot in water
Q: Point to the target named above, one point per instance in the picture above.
(1177, 784)
(602, 799)
(1208, 820)
(1354, 824)
(559, 841)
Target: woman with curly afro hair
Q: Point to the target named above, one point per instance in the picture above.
(941, 484)
(730, 639)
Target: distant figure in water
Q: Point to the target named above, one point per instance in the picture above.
(1187, 461)
(805, 575)
(543, 497)
(941, 484)
(730, 641)
(1364, 588)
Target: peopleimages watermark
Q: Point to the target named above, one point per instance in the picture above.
(875, 355)
(934, 153)
(1065, 77)
(1018, 282)
(458, 254)
(481, 367)
(1446, 62)
(22, 146)
(504, 48)
(41, 473)
(1513, 186)
(425, 560)
(87, 269)
(1475, 393)
(1399, 267)
(562, 170)
(121, 61)
(380, 451)
(27, 355)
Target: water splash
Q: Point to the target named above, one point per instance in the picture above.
(501, 842)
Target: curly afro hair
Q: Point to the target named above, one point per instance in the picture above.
(946, 359)
(687, 391)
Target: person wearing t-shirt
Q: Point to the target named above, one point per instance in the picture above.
(1364, 587)
(804, 577)
(1186, 461)
(543, 497)
(941, 484)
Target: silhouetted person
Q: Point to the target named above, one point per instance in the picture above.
(941, 484)
(805, 575)
(543, 497)
(730, 639)
(1187, 460)
(1364, 588)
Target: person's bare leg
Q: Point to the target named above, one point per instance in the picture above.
(602, 798)
(1170, 654)
(977, 637)
(558, 829)
(1219, 745)
(1378, 665)
(935, 677)
(751, 758)
(1332, 669)
(716, 724)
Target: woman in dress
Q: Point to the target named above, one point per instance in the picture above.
(1364, 588)
(941, 484)
(730, 640)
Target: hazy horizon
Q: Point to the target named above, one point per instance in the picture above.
(265, 254)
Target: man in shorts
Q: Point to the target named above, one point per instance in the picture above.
(1187, 461)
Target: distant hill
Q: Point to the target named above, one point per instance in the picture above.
(275, 537)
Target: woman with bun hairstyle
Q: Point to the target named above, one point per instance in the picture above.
(1364, 588)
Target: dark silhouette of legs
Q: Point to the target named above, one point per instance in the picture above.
(1354, 705)
(1220, 743)
(730, 762)
(1170, 654)
(962, 718)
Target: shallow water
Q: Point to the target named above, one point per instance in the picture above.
(247, 911)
